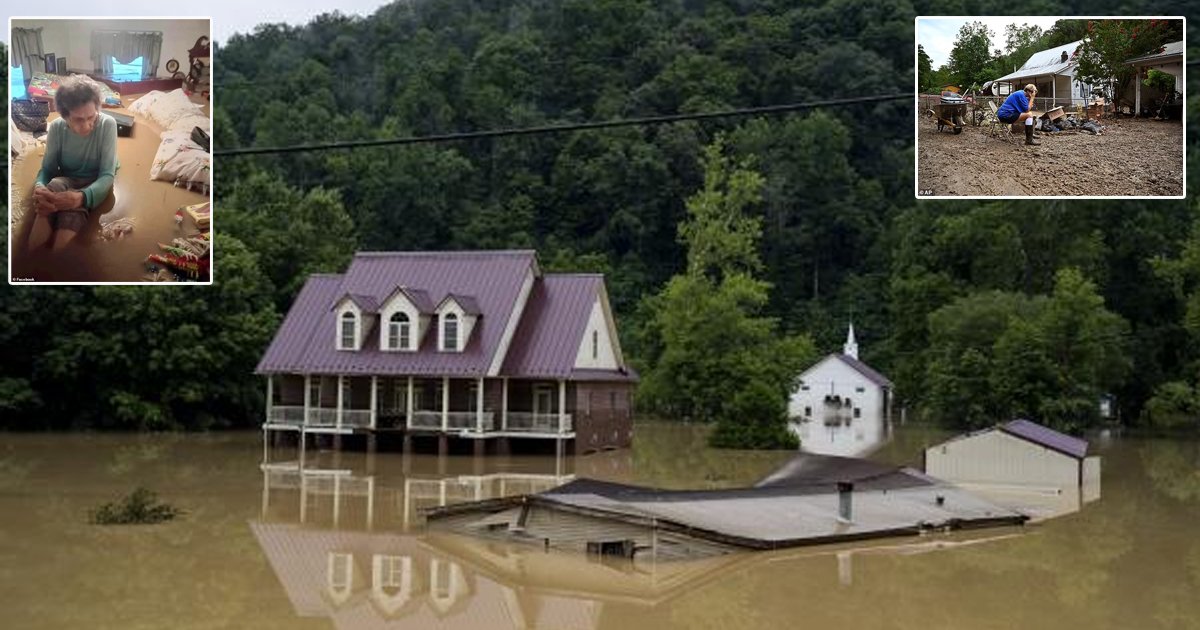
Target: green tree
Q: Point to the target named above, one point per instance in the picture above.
(1110, 43)
(718, 358)
(924, 70)
(971, 54)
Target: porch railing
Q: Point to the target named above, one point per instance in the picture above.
(455, 420)
(528, 422)
(518, 421)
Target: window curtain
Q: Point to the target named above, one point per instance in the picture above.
(27, 50)
(126, 46)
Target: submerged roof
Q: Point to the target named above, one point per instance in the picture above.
(1045, 436)
(795, 506)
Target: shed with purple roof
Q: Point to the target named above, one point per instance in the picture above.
(1020, 454)
(469, 344)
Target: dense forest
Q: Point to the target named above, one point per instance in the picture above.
(979, 311)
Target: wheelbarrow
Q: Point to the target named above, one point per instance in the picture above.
(950, 112)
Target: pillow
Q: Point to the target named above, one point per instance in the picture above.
(166, 107)
(189, 122)
(182, 162)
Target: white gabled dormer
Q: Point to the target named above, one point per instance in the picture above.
(353, 316)
(403, 320)
(600, 349)
(456, 318)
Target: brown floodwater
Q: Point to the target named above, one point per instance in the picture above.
(339, 544)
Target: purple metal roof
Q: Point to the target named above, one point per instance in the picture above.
(551, 329)
(419, 299)
(544, 343)
(865, 370)
(468, 303)
(365, 303)
(1047, 437)
(305, 341)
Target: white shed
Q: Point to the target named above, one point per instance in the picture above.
(1019, 454)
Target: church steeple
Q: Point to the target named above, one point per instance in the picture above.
(851, 347)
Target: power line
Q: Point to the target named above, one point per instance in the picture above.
(603, 124)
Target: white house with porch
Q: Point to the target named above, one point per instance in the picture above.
(1053, 72)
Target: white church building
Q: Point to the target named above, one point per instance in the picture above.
(841, 406)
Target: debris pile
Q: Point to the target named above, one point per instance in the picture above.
(1069, 123)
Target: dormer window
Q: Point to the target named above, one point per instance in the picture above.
(349, 331)
(399, 332)
(450, 331)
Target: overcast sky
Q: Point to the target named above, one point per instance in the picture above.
(228, 16)
(937, 35)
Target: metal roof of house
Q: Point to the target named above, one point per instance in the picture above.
(1172, 49)
(1046, 62)
(487, 284)
(1045, 436)
(305, 342)
(419, 299)
(551, 329)
(365, 303)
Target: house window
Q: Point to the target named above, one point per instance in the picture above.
(349, 327)
(804, 388)
(314, 392)
(858, 412)
(131, 71)
(398, 332)
(473, 396)
(595, 344)
(808, 412)
(859, 389)
(450, 331)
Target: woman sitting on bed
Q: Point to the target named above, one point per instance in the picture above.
(78, 168)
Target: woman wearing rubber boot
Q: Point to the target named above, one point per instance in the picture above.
(1019, 107)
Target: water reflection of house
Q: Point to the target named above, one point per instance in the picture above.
(1020, 464)
(480, 346)
(841, 406)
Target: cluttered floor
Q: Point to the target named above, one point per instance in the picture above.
(148, 231)
(1129, 157)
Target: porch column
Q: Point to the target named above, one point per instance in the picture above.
(504, 404)
(445, 403)
(374, 393)
(562, 406)
(479, 406)
(1053, 87)
(408, 405)
(270, 394)
(339, 401)
(307, 391)
(1137, 98)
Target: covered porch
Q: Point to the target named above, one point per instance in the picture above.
(467, 407)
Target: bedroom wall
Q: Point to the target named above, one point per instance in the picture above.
(73, 38)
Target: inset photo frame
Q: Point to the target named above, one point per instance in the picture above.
(110, 167)
(1050, 107)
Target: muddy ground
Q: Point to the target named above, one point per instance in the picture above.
(1130, 157)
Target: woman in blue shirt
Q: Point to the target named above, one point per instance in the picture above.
(1019, 106)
